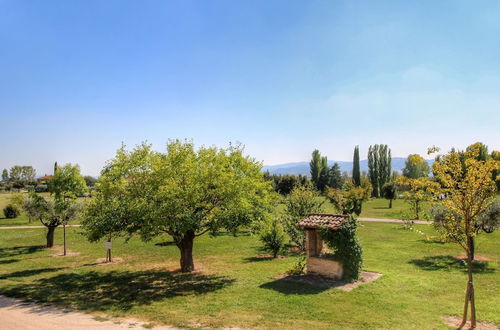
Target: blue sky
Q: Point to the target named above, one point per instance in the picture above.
(77, 78)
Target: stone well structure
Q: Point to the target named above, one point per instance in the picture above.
(318, 262)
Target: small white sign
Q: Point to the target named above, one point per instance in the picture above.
(107, 245)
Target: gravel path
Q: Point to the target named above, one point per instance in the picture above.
(16, 315)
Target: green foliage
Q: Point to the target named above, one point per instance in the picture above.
(299, 267)
(356, 170)
(379, 167)
(90, 181)
(11, 211)
(67, 182)
(335, 179)
(272, 235)
(184, 192)
(350, 199)
(51, 212)
(5, 175)
(284, 184)
(41, 188)
(315, 167)
(489, 220)
(390, 191)
(301, 202)
(416, 167)
(346, 248)
(20, 176)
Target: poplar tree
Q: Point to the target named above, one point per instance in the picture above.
(315, 167)
(379, 167)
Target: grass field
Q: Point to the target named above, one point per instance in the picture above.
(421, 282)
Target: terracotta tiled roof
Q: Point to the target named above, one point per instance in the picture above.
(45, 177)
(319, 220)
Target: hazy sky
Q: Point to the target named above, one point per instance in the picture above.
(283, 77)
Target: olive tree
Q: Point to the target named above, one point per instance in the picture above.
(184, 192)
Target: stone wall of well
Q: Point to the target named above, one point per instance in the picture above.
(324, 267)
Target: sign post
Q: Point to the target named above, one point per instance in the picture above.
(107, 246)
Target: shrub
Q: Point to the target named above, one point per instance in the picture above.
(41, 188)
(347, 250)
(273, 235)
(298, 268)
(10, 211)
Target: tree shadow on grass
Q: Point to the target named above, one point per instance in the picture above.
(18, 250)
(8, 261)
(449, 263)
(115, 290)
(286, 286)
(30, 272)
(165, 244)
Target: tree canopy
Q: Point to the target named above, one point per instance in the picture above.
(184, 193)
(416, 167)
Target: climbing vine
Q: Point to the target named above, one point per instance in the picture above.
(346, 248)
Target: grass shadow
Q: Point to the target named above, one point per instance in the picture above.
(287, 286)
(432, 241)
(115, 290)
(8, 261)
(165, 244)
(449, 263)
(30, 272)
(18, 250)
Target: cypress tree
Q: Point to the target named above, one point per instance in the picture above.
(356, 172)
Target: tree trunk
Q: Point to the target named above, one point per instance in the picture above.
(472, 248)
(390, 203)
(64, 239)
(50, 236)
(469, 295)
(186, 248)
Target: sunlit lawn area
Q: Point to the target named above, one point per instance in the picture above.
(379, 208)
(421, 282)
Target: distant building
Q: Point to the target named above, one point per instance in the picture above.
(44, 179)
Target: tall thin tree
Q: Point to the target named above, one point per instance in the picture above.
(356, 171)
(315, 166)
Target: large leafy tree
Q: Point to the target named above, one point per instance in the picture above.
(20, 176)
(184, 193)
(469, 190)
(356, 170)
(416, 167)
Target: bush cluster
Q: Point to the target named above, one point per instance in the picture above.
(10, 211)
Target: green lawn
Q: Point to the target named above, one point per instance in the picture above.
(379, 208)
(421, 282)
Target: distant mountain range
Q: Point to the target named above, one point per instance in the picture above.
(398, 163)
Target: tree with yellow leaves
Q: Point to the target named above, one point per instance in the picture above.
(417, 191)
(469, 189)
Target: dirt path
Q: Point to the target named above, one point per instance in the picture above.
(420, 222)
(15, 315)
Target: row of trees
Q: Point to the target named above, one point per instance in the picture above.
(323, 176)
(19, 176)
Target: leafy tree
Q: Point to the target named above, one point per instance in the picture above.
(469, 190)
(184, 193)
(5, 175)
(52, 213)
(324, 176)
(284, 184)
(350, 200)
(390, 191)
(66, 185)
(301, 202)
(416, 167)
(495, 174)
(90, 181)
(272, 234)
(417, 191)
(335, 179)
(379, 167)
(315, 166)
(20, 176)
(356, 169)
